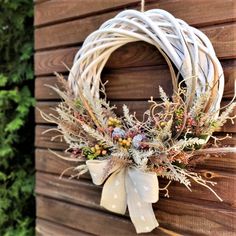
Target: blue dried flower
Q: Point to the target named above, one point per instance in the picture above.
(118, 133)
(137, 139)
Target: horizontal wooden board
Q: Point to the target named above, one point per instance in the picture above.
(54, 11)
(223, 39)
(80, 192)
(48, 62)
(135, 83)
(91, 221)
(194, 219)
(46, 161)
(45, 139)
(128, 55)
(171, 214)
(68, 33)
(128, 84)
(47, 228)
(45, 107)
(89, 194)
(229, 68)
(74, 32)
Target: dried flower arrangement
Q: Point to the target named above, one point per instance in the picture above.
(128, 154)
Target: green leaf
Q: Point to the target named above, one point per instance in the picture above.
(3, 80)
(3, 177)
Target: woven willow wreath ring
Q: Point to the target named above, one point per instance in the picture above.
(186, 47)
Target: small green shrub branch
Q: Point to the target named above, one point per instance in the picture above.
(16, 124)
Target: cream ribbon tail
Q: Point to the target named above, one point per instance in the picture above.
(127, 186)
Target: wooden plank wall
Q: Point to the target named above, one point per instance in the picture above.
(70, 207)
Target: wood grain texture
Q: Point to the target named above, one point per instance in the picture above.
(43, 139)
(135, 83)
(84, 192)
(48, 62)
(68, 33)
(86, 219)
(47, 228)
(62, 11)
(223, 39)
(55, 11)
(45, 161)
(128, 56)
(130, 84)
(173, 214)
(229, 68)
(74, 32)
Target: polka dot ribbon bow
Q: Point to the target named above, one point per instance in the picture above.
(127, 186)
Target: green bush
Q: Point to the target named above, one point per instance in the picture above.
(17, 211)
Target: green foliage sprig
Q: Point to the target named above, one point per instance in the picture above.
(16, 74)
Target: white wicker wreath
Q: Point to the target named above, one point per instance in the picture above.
(188, 48)
(129, 155)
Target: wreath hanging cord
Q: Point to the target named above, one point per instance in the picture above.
(128, 155)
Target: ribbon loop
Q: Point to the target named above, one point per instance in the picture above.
(97, 170)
